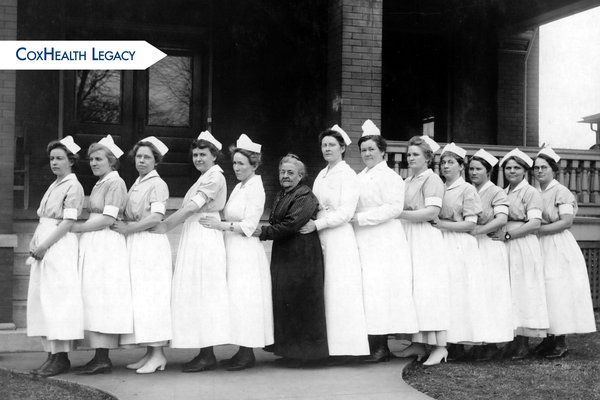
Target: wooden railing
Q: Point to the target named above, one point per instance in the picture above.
(579, 169)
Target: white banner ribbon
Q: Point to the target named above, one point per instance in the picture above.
(71, 54)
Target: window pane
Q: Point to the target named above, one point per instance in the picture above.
(98, 96)
(170, 92)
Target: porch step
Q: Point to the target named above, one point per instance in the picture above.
(17, 340)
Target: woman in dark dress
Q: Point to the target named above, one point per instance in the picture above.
(296, 270)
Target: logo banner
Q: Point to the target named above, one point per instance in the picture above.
(71, 54)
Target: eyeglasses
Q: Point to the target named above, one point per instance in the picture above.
(541, 168)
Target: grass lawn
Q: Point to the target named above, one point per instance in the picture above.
(20, 386)
(576, 376)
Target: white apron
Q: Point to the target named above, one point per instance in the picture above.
(54, 304)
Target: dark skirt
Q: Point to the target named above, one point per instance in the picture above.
(297, 273)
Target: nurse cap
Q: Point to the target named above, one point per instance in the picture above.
(244, 142)
(342, 132)
(452, 148)
(431, 143)
(70, 144)
(370, 129)
(206, 135)
(160, 146)
(547, 151)
(481, 153)
(520, 155)
(109, 143)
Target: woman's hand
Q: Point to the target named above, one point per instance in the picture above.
(309, 227)
(210, 223)
(498, 235)
(121, 227)
(435, 221)
(38, 252)
(474, 231)
(257, 231)
(161, 227)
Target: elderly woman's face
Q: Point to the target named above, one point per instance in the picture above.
(289, 176)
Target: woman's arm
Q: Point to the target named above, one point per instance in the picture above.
(299, 213)
(494, 225)
(426, 214)
(176, 218)
(61, 230)
(454, 226)
(127, 228)
(565, 222)
(94, 224)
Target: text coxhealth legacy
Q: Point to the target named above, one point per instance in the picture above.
(52, 54)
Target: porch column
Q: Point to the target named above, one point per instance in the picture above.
(354, 68)
(8, 240)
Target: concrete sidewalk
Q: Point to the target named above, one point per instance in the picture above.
(265, 381)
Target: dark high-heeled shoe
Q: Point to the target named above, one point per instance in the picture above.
(560, 348)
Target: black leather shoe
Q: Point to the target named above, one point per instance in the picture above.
(484, 353)
(456, 352)
(557, 352)
(519, 353)
(35, 371)
(546, 346)
(382, 354)
(243, 362)
(59, 364)
(199, 364)
(95, 366)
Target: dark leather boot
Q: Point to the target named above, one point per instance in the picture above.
(245, 360)
(456, 352)
(204, 361)
(59, 364)
(521, 349)
(379, 350)
(35, 371)
(560, 348)
(546, 346)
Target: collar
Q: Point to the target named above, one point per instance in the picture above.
(425, 173)
(485, 186)
(553, 183)
(456, 183)
(215, 167)
(68, 177)
(149, 175)
(337, 166)
(109, 176)
(252, 181)
(520, 186)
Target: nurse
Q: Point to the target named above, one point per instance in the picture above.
(524, 255)
(54, 306)
(496, 277)
(149, 257)
(567, 284)
(383, 249)
(337, 189)
(199, 301)
(461, 207)
(248, 275)
(103, 260)
(422, 203)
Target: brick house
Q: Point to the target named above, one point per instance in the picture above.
(278, 71)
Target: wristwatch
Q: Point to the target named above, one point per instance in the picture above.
(507, 236)
(231, 226)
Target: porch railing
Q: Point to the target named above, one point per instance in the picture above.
(579, 170)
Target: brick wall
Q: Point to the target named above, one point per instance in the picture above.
(8, 31)
(511, 78)
(354, 72)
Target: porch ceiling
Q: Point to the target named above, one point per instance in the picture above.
(509, 16)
